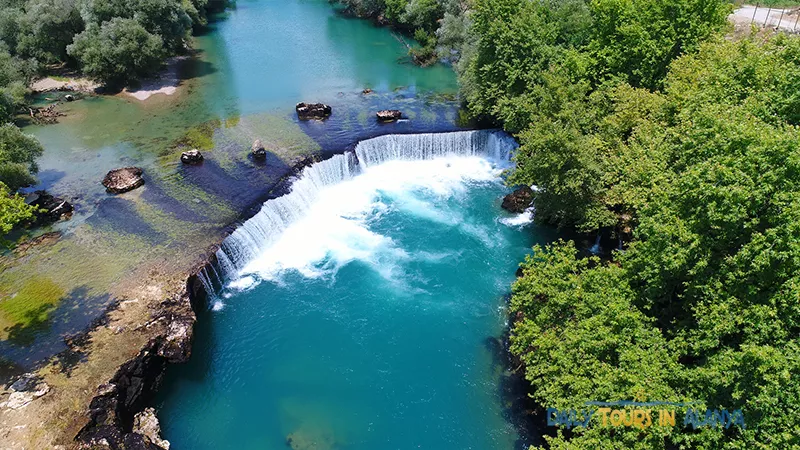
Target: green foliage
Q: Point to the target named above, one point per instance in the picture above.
(426, 53)
(13, 210)
(118, 51)
(37, 32)
(703, 303)
(14, 77)
(18, 153)
(47, 28)
(167, 19)
(638, 39)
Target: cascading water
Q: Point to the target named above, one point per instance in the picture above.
(250, 240)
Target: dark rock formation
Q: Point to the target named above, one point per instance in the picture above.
(123, 180)
(367, 91)
(69, 97)
(45, 115)
(51, 208)
(308, 111)
(389, 115)
(118, 417)
(519, 200)
(258, 151)
(192, 157)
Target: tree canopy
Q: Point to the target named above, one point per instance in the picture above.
(698, 161)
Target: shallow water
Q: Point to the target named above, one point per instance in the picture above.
(370, 322)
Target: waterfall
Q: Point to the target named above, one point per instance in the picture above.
(260, 232)
(595, 250)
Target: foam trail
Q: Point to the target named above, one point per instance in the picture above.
(270, 235)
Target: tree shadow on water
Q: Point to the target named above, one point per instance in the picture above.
(527, 418)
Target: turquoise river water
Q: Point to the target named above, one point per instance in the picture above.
(363, 310)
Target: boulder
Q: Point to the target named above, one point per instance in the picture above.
(51, 208)
(69, 97)
(519, 200)
(367, 91)
(389, 115)
(122, 180)
(192, 157)
(308, 111)
(258, 151)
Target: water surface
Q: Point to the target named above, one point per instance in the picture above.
(370, 319)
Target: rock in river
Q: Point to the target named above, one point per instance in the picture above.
(389, 115)
(308, 111)
(258, 151)
(122, 180)
(519, 200)
(192, 157)
(51, 208)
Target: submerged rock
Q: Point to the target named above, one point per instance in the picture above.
(51, 208)
(519, 200)
(389, 115)
(192, 157)
(308, 111)
(258, 151)
(122, 180)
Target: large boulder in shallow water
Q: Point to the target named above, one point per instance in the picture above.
(50, 208)
(308, 111)
(192, 157)
(122, 180)
(258, 151)
(519, 200)
(389, 115)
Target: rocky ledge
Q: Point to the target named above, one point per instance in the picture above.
(118, 414)
(389, 115)
(122, 180)
(309, 111)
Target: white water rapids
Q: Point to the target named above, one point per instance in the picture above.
(325, 211)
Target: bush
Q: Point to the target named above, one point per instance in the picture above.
(18, 153)
(13, 210)
(119, 51)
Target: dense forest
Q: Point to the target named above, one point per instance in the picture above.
(639, 120)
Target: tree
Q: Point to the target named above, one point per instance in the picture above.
(14, 77)
(13, 210)
(18, 153)
(46, 29)
(117, 52)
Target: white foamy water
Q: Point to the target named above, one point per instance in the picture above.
(519, 220)
(325, 218)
